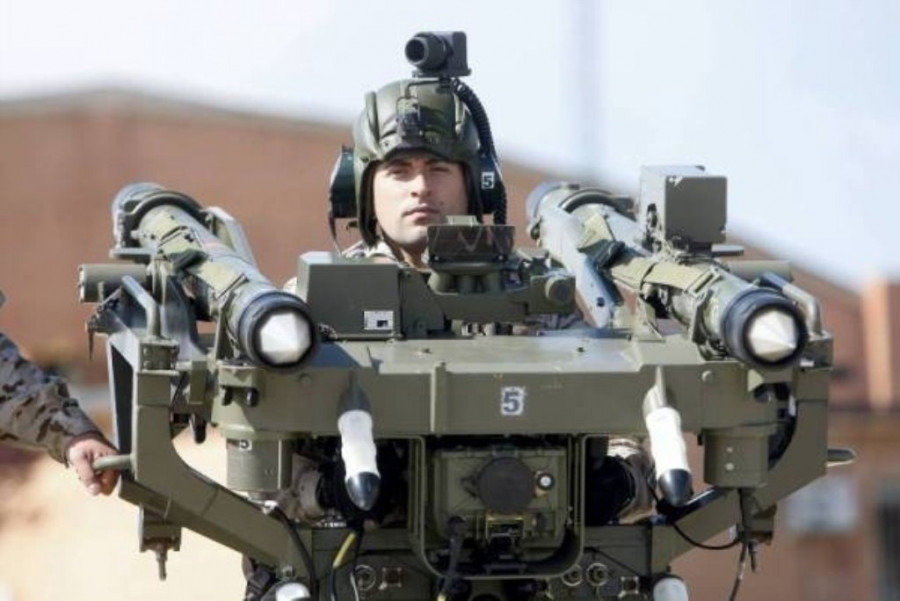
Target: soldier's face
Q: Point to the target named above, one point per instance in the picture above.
(412, 191)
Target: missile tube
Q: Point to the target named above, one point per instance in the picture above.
(271, 327)
(757, 325)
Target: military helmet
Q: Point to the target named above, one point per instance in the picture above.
(405, 115)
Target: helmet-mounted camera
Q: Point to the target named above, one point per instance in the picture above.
(438, 54)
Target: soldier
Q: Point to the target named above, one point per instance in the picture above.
(36, 409)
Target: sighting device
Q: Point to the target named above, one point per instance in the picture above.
(438, 54)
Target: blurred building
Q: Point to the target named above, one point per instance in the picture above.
(63, 158)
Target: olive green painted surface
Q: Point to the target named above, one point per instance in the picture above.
(452, 398)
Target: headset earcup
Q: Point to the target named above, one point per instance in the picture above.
(490, 184)
(342, 190)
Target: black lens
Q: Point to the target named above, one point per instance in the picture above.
(415, 50)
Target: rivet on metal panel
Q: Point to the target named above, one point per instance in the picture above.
(574, 577)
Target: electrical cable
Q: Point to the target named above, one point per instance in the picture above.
(301, 548)
(353, 585)
(356, 548)
(345, 546)
(457, 527)
(722, 547)
(338, 560)
(739, 577)
(479, 114)
(684, 535)
(746, 503)
(485, 137)
(332, 585)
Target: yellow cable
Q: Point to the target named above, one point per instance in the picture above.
(345, 546)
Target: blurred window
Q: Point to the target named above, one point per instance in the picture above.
(829, 505)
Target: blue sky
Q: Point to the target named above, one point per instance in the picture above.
(797, 103)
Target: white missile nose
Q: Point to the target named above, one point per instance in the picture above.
(291, 591)
(284, 337)
(670, 588)
(772, 335)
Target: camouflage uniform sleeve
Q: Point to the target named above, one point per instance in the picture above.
(35, 408)
(535, 324)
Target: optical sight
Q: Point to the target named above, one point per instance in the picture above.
(438, 54)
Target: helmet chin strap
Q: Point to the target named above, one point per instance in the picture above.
(333, 229)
